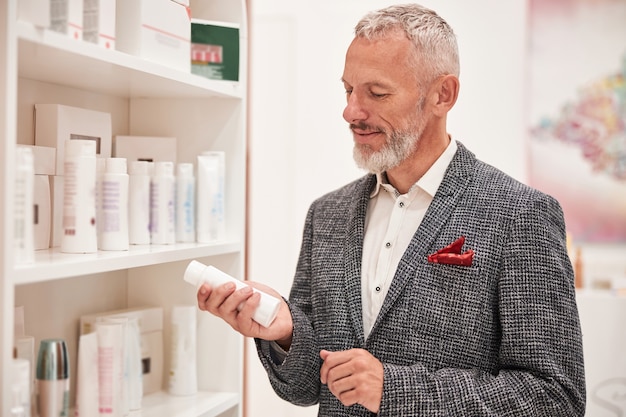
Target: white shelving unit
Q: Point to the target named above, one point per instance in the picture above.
(144, 98)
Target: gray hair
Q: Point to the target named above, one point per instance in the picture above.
(436, 50)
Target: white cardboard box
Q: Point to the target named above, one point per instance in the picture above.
(43, 212)
(55, 123)
(99, 22)
(56, 216)
(151, 328)
(146, 148)
(44, 162)
(156, 30)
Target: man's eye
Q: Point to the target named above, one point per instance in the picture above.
(378, 95)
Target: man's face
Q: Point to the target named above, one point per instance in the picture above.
(384, 104)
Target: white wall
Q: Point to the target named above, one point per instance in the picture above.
(301, 148)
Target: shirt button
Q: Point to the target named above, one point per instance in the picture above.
(401, 204)
(377, 289)
(388, 244)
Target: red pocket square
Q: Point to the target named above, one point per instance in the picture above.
(452, 255)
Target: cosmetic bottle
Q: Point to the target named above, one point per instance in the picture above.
(79, 234)
(198, 273)
(139, 203)
(183, 377)
(100, 168)
(53, 378)
(210, 222)
(162, 201)
(20, 388)
(24, 232)
(185, 203)
(114, 209)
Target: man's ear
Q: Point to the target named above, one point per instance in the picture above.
(447, 90)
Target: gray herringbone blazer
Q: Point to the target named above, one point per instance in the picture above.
(498, 338)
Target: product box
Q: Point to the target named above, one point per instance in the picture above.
(44, 163)
(215, 50)
(99, 22)
(146, 148)
(56, 199)
(66, 16)
(151, 327)
(156, 30)
(42, 212)
(55, 123)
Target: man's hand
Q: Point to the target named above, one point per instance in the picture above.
(354, 376)
(236, 307)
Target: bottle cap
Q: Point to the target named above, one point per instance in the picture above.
(139, 168)
(163, 168)
(194, 272)
(52, 361)
(185, 170)
(116, 165)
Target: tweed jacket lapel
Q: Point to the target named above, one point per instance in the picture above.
(355, 230)
(455, 181)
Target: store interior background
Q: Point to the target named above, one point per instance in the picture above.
(300, 148)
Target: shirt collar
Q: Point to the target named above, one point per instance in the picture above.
(431, 179)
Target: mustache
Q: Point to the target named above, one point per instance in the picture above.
(365, 127)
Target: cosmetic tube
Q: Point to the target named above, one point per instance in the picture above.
(110, 351)
(87, 376)
(20, 388)
(162, 201)
(114, 206)
(185, 203)
(183, 359)
(210, 222)
(53, 378)
(139, 203)
(198, 273)
(79, 234)
(24, 229)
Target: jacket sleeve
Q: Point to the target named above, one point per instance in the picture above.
(540, 360)
(296, 378)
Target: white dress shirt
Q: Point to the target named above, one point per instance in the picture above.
(390, 223)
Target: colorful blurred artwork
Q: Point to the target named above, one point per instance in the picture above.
(577, 113)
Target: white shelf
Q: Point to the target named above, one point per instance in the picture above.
(203, 404)
(51, 264)
(53, 57)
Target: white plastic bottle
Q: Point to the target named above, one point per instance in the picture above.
(79, 233)
(198, 273)
(185, 203)
(24, 231)
(100, 168)
(162, 204)
(183, 377)
(139, 203)
(114, 206)
(210, 216)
